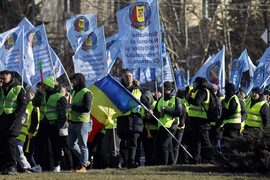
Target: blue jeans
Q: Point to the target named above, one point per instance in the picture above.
(77, 140)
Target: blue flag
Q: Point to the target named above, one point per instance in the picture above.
(80, 26)
(58, 68)
(12, 49)
(113, 45)
(38, 43)
(139, 28)
(180, 79)
(262, 72)
(242, 71)
(214, 70)
(90, 57)
(236, 72)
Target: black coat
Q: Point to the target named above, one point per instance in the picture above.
(11, 123)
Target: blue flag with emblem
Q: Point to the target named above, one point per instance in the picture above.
(12, 49)
(29, 61)
(139, 28)
(58, 68)
(80, 26)
(242, 71)
(90, 57)
(214, 70)
(38, 42)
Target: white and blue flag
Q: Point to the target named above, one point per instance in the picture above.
(12, 49)
(214, 70)
(80, 26)
(139, 28)
(90, 57)
(113, 45)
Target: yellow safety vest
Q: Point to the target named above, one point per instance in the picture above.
(167, 120)
(8, 103)
(254, 118)
(137, 94)
(199, 111)
(49, 108)
(26, 125)
(77, 99)
(236, 117)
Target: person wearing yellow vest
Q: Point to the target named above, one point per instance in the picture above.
(169, 108)
(53, 114)
(149, 135)
(257, 111)
(198, 121)
(130, 125)
(79, 120)
(12, 114)
(231, 114)
(27, 135)
(241, 95)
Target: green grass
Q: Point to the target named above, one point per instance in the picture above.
(190, 172)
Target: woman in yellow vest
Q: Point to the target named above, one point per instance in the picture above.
(231, 114)
(12, 108)
(79, 121)
(53, 115)
(257, 111)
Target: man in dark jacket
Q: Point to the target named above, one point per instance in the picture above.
(257, 111)
(53, 114)
(79, 120)
(12, 110)
(199, 122)
(130, 125)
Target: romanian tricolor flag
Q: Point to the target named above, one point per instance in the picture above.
(111, 100)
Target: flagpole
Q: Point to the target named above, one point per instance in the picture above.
(166, 129)
(139, 102)
(173, 76)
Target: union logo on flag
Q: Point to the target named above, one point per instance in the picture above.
(139, 15)
(10, 41)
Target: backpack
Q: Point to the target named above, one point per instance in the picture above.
(215, 108)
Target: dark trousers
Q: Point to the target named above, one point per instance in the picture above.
(178, 135)
(202, 146)
(164, 140)
(31, 151)
(149, 145)
(8, 150)
(66, 156)
(48, 135)
(228, 134)
(95, 150)
(128, 147)
(111, 149)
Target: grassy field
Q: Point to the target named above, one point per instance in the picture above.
(190, 172)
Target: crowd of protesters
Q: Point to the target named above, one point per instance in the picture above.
(47, 128)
